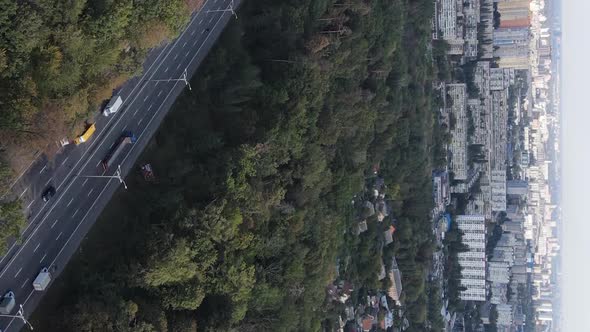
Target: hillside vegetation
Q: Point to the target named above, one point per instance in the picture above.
(256, 168)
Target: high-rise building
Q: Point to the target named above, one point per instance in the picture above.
(458, 126)
(473, 262)
(511, 39)
(514, 13)
(498, 185)
(517, 188)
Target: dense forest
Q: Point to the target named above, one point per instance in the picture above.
(255, 171)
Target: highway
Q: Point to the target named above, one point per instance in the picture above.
(56, 228)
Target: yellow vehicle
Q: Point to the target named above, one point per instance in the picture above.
(86, 136)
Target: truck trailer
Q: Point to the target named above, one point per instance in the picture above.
(111, 157)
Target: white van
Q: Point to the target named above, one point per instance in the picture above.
(113, 106)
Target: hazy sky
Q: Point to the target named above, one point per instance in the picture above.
(576, 164)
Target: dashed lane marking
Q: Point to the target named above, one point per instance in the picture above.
(159, 93)
(55, 222)
(90, 192)
(175, 56)
(139, 122)
(42, 169)
(46, 183)
(63, 162)
(71, 200)
(149, 108)
(166, 70)
(18, 272)
(24, 284)
(58, 236)
(42, 258)
(183, 45)
(83, 183)
(28, 206)
(37, 247)
(21, 194)
(75, 213)
(146, 97)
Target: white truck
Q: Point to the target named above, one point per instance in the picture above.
(113, 106)
(43, 279)
(7, 303)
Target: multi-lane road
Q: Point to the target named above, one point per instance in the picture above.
(56, 228)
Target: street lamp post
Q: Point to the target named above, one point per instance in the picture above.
(116, 176)
(230, 9)
(183, 78)
(20, 315)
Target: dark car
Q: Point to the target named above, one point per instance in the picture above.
(48, 193)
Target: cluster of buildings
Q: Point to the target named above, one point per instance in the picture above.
(373, 214)
(503, 123)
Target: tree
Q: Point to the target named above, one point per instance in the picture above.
(12, 222)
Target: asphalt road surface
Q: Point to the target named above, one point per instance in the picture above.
(57, 227)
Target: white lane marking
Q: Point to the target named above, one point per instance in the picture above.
(187, 54)
(202, 32)
(18, 272)
(24, 284)
(180, 63)
(183, 45)
(137, 110)
(99, 162)
(46, 183)
(28, 206)
(138, 123)
(146, 97)
(149, 108)
(157, 82)
(176, 56)
(83, 183)
(75, 213)
(211, 20)
(42, 258)
(37, 247)
(168, 47)
(193, 32)
(58, 236)
(55, 222)
(201, 21)
(63, 162)
(90, 192)
(42, 169)
(71, 200)
(166, 70)
(24, 191)
(159, 93)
